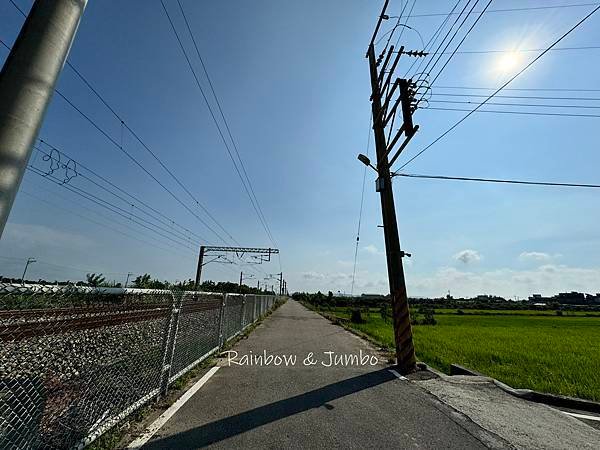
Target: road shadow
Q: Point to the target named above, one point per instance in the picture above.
(240, 423)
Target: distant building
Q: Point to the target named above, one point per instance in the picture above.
(567, 298)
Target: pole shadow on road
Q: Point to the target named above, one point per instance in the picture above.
(240, 423)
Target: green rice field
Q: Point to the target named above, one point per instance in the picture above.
(524, 349)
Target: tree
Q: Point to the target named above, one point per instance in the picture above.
(95, 280)
(142, 281)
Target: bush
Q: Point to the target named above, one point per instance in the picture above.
(429, 318)
(385, 313)
(356, 317)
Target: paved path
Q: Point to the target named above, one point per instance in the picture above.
(314, 406)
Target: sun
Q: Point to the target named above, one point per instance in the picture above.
(508, 62)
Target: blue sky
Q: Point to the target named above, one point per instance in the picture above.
(293, 82)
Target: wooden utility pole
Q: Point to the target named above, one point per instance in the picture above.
(405, 352)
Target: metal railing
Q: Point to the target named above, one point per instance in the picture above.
(75, 361)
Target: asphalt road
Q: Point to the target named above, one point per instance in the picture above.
(314, 406)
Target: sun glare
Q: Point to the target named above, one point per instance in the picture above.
(508, 62)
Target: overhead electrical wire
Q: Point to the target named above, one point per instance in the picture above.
(528, 105)
(225, 121)
(427, 69)
(169, 221)
(528, 97)
(431, 41)
(518, 50)
(497, 180)
(144, 145)
(135, 135)
(362, 198)
(406, 25)
(109, 227)
(179, 234)
(191, 67)
(390, 32)
(530, 8)
(449, 130)
(520, 89)
(460, 43)
(111, 207)
(526, 113)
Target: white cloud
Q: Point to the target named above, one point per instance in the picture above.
(537, 256)
(32, 237)
(372, 250)
(548, 279)
(468, 256)
(345, 263)
(313, 275)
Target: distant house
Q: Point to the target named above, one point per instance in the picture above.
(567, 298)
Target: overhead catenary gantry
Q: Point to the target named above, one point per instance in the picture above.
(258, 255)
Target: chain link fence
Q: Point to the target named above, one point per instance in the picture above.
(74, 361)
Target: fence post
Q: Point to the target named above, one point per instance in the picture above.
(169, 347)
(221, 318)
(243, 311)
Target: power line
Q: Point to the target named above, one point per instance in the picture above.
(169, 220)
(432, 40)
(428, 70)
(527, 113)
(529, 97)
(152, 153)
(499, 89)
(362, 198)
(18, 8)
(138, 138)
(180, 234)
(406, 24)
(460, 43)
(536, 105)
(497, 180)
(107, 205)
(260, 213)
(191, 67)
(519, 89)
(141, 166)
(120, 146)
(143, 241)
(524, 50)
(533, 8)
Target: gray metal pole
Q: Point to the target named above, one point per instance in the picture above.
(27, 82)
(29, 261)
(199, 268)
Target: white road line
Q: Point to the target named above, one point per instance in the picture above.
(582, 416)
(398, 375)
(164, 417)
